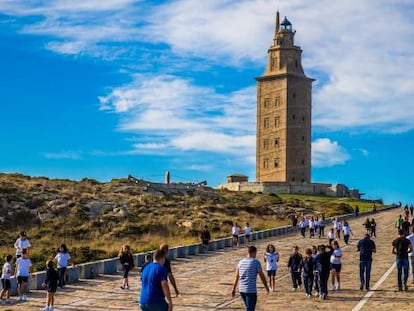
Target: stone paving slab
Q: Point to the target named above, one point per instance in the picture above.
(205, 281)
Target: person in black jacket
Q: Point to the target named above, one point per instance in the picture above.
(322, 263)
(294, 265)
(127, 262)
(307, 267)
(51, 283)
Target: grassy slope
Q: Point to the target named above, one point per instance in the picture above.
(87, 216)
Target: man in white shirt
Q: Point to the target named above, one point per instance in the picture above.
(411, 255)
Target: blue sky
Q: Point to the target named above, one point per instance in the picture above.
(103, 89)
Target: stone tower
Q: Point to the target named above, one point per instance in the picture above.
(284, 94)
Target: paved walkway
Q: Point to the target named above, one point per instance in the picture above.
(205, 281)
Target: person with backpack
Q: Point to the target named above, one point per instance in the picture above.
(365, 247)
(401, 247)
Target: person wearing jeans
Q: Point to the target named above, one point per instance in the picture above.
(365, 247)
(401, 247)
(411, 255)
(246, 276)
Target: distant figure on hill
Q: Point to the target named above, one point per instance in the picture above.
(399, 222)
(127, 262)
(167, 264)
(246, 278)
(412, 210)
(247, 232)
(235, 231)
(295, 220)
(374, 208)
(155, 293)
(62, 258)
(356, 210)
(205, 239)
(401, 247)
(21, 243)
(373, 228)
(367, 225)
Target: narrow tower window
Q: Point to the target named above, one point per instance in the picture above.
(266, 123)
(277, 121)
(276, 162)
(266, 102)
(266, 144)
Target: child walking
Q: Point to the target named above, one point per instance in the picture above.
(294, 265)
(307, 266)
(23, 272)
(127, 262)
(6, 274)
(62, 258)
(271, 259)
(51, 284)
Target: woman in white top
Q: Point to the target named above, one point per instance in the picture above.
(62, 258)
(347, 232)
(336, 265)
(21, 243)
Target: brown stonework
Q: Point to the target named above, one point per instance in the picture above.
(283, 139)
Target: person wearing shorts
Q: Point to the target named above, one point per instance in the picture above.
(5, 280)
(23, 271)
(336, 265)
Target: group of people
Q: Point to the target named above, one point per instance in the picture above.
(312, 270)
(23, 270)
(236, 231)
(315, 225)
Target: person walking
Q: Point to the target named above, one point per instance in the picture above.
(294, 266)
(307, 268)
(246, 278)
(373, 228)
(127, 263)
(322, 268)
(205, 239)
(62, 258)
(155, 293)
(365, 247)
(51, 284)
(23, 272)
(167, 264)
(336, 265)
(271, 259)
(235, 231)
(302, 225)
(247, 233)
(401, 247)
(322, 224)
(411, 255)
(6, 274)
(347, 232)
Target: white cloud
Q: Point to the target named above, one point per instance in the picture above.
(326, 153)
(68, 155)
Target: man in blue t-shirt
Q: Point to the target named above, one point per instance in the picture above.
(365, 247)
(246, 276)
(155, 293)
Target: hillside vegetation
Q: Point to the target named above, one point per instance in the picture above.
(94, 219)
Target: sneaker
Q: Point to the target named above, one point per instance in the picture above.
(309, 295)
(20, 299)
(405, 287)
(24, 297)
(399, 289)
(361, 287)
(294, 289)
(127, 287)
(2, 302)
(45, 309)
(122, 287)
(8, 301)
(333, 287)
